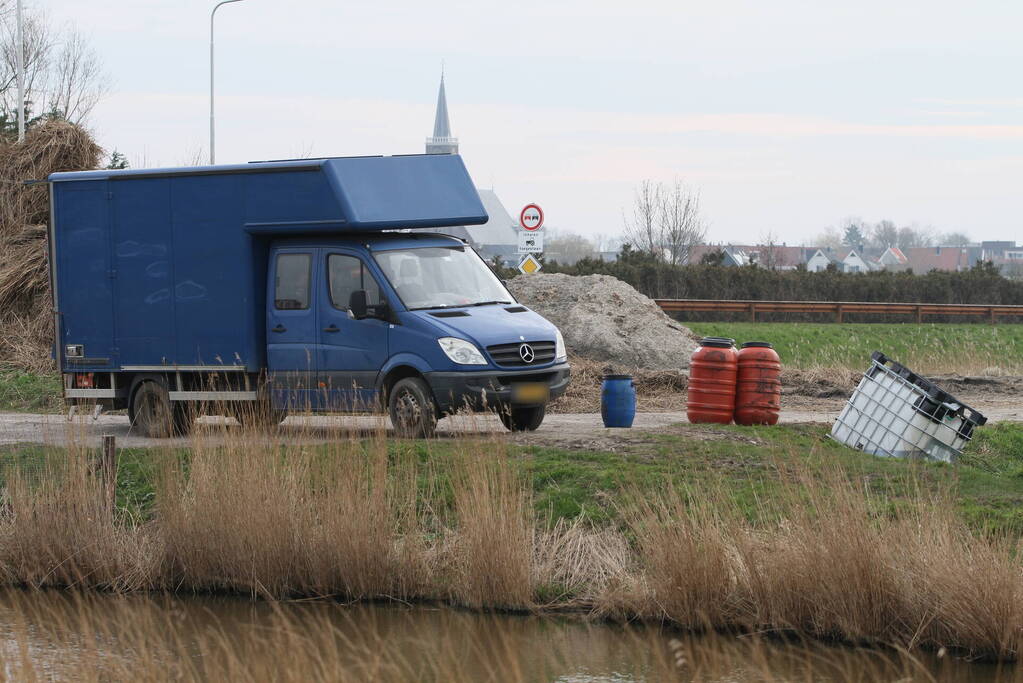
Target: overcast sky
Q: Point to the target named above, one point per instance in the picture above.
(787, 116)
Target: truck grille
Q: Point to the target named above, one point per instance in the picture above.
(508, 355)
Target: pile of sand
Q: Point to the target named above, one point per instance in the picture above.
(604, 319)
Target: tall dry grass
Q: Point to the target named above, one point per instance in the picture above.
(356, 519)
(57, 530)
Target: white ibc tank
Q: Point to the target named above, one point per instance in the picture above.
(894, 412)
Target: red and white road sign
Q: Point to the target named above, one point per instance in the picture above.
(531, 217)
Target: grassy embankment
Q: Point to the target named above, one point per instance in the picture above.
(748, 465)
(771, 529)
(935, 349)
(29, 392)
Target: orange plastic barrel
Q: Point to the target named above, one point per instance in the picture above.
(712, 376)
(758, 391)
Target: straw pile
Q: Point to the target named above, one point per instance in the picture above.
(24, 212)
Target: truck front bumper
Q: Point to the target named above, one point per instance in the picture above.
(491, 390)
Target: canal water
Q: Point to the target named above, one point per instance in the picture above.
(70, 636)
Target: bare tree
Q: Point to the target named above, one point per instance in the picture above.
(63, 74)
(643, 229)
(77, 78)
(194, 156)
(769, 253)
(884, 234)
(912, 236)
(38, 46)
(679, 221)
(829, 238)
(568, 248)
(955, 239)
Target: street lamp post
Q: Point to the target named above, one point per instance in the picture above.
(213, 154)
(19, 52)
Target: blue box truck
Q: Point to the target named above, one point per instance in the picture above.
(282, 286)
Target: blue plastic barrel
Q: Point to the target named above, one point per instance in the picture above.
(618, 401)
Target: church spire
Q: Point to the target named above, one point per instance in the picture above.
(441, 142)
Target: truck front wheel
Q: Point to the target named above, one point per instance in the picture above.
(153, 413)
(412, 408)
(523, 419)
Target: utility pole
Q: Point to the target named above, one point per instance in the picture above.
(213, 153)
(19, 52)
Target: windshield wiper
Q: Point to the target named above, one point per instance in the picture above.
(488, 303)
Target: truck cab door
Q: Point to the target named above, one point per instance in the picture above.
(351, 352)
(291, 332)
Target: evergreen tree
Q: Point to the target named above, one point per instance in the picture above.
(117, 161)
(853, 236)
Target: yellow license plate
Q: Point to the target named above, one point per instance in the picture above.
(530, 392)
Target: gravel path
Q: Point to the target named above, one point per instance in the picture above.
(564, 429)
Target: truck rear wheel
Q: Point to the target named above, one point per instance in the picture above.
(523, 419)
(413, 410)
(154, 415)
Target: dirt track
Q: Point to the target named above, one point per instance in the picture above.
(569, 430)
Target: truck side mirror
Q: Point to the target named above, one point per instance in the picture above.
(357, 304)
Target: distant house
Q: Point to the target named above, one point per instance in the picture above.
(1013, 255)
(995, 250)
(774, 256)
(926, 259)
(731, 256)
(778, 256)
(893, 258)
(818, 261)
(851, 262)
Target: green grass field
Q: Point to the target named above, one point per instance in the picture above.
(928, 348)
(752, 466)
(27, 392)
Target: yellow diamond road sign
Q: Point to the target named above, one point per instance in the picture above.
(529, 265)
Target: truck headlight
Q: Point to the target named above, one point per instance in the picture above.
(461, 351)
(560, 352)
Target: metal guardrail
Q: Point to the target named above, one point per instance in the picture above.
(838, 308)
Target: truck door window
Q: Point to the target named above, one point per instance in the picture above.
(345, 274)
(291, 286)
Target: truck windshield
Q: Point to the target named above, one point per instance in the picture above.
(441, 277)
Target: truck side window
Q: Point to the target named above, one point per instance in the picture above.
(345, 274)
(291, 287)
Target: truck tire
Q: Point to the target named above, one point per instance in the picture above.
(259, 415)
(523, 419)
(154, 415)
(413, 410)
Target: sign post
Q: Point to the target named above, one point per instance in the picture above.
(529, 265)
(531, 217)
(530, 242)
(530, 237)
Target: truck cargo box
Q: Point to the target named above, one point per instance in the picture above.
(166, 267)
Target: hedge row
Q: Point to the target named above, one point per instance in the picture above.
(982, 284)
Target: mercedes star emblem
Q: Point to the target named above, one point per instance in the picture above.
(526, 352)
